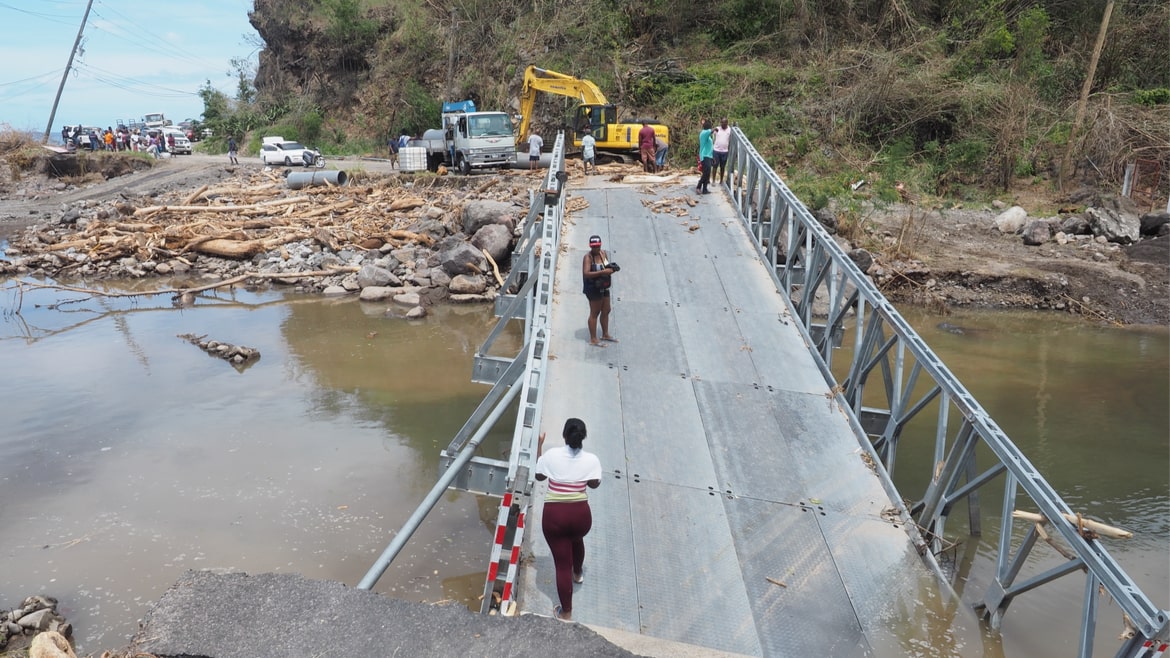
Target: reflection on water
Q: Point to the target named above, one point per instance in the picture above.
(128, 456)
(1088, 407)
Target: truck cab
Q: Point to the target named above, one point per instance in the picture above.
(470, 139)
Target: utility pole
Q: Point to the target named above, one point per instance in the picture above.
(68, 67)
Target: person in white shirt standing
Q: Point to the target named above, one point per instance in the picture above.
(535, 144)
(722, 146)
(589, 151)
(566, 518)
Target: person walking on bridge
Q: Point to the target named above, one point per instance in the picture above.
(566, 518)
(706, 157)
(596, 272)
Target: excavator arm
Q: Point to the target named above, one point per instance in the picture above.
(538, 80)
(613, 137)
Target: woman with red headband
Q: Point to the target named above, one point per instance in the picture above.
(596, 271)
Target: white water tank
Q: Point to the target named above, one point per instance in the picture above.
(412, 158)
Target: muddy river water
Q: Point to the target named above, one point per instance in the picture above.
(128, 456)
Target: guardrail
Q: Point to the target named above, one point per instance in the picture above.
(526, 295)
(828, 292)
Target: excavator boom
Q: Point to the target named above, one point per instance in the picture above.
(593, 111)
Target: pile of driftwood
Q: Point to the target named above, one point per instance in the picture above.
(255, 213)
(245, 218)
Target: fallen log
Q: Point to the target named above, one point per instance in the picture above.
(194, 196)
(408, 203)
(409, 235)
(1079, 521)
(226, 248)
(150, 210)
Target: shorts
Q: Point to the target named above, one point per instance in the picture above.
(534, 158)
(648, 154)
(595, 294)
(720, 158)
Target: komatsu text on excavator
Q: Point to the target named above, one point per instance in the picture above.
(615, 139)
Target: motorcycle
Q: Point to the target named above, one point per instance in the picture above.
(313, 159)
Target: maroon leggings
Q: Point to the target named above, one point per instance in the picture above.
(565, 526)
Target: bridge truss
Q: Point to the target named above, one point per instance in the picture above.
(894, 378)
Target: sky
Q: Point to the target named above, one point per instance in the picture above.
(136, 56)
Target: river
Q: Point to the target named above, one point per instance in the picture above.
(129, 456)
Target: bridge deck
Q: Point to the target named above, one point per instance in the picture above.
(726, 464)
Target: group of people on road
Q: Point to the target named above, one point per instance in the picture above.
(120, 139)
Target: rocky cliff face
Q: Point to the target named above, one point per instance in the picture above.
(324, 56)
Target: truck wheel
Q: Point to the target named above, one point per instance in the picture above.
(463, 166)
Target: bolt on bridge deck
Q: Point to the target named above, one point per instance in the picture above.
(738, 510)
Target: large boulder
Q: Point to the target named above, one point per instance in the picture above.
(1114, 224)
(862, 258)
(1075, 224)
(477, 214)
(1011, 220)
(455, 258)
(432, 228)
(496, 239)
(1152, 222)
(826, 218)
(370, 275)
(468, 284)
(1037, 232)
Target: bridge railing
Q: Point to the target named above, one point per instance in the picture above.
(527, 295)
(893, 380)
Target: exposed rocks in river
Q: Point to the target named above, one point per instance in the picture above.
(36, 614)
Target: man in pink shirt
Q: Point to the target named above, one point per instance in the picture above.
(722, 146)
(646, 148)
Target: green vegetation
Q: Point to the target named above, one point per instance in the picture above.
(955, 99)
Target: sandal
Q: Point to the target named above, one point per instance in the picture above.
(579, 577)
(557, 614)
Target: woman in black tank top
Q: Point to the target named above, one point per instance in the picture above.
(595, 274)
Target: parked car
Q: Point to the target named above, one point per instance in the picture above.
(182, 145)
(275, 150)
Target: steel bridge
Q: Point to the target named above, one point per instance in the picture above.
(747, 504)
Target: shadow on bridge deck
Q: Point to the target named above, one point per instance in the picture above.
(737, 511)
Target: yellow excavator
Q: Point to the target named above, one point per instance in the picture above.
(615, 139)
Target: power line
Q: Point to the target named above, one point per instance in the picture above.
(134, 36)
(52, 18)
(120, 81)
(34, 77)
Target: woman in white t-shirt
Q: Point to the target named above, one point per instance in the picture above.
(566, 518)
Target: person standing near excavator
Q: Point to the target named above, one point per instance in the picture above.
(646, 147)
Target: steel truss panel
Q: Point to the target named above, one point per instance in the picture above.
(891, 360)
